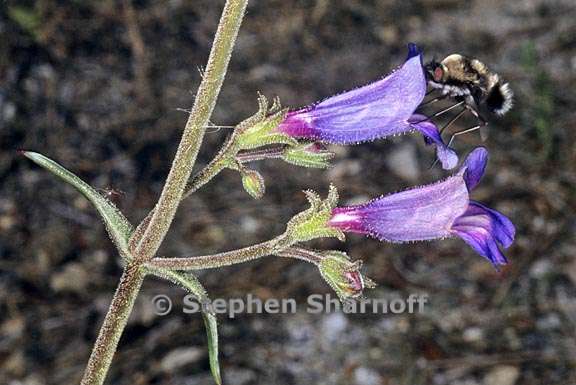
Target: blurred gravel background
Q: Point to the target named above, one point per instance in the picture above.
(96, 86)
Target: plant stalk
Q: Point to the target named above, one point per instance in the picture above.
(224, 159)
(302, 254)
(113, 325)
(228, 258)
(165, 209)
(194, 131)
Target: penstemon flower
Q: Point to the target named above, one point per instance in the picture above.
(377, 110)
(435, 211)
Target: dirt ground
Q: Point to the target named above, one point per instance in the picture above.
(97, 86)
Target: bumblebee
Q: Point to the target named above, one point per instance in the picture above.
(472, 85)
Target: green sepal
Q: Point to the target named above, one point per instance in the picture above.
(118, 227)
(307, 155)
(313, 222)
(190, 283)
(260, 129)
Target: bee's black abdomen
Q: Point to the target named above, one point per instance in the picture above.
(495, 99)
(499, 99)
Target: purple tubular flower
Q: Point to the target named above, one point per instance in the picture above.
(377, 110)
(435, 211)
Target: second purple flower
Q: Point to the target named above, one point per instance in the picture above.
(435, 211)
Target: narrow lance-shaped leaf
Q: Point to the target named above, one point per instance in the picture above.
(190, 283)
(116, 223)
(212, 335)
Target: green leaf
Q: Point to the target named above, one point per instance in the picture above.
(190, 283)
(117, 225)
(28, 19)
(212, 334)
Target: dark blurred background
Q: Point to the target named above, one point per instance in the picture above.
(96, 85)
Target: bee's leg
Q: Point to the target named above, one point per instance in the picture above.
(441, 112)
(481, 121)
(434, 100)
(445, 110)
(455, 118)
(451, 121)
(471, 129)
(477, 115)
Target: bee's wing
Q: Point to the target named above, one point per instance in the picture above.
(484, 133)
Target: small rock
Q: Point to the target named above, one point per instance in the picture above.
(98, 257)
(263, 72)
(180, 357)
(473, 334)
(74, 277)
(249, 224)
(549, 321)
(502, 375)
(387, 34)
(571, 270)
(238, 376)
(6, 222)
(15, 364)
(540, 268)
(334, 325)
(344, 168)
(365, 376)
(33, 379)
(12, 328)
(8, 111)
(404, 163)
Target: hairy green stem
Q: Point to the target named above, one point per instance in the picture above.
(194, 131)
(149, 237)
(228, 258)
(302, 254)
(113, 325)
(225, 158)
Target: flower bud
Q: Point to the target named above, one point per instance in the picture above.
(312, 155)
(343, 275)
(253, 183)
